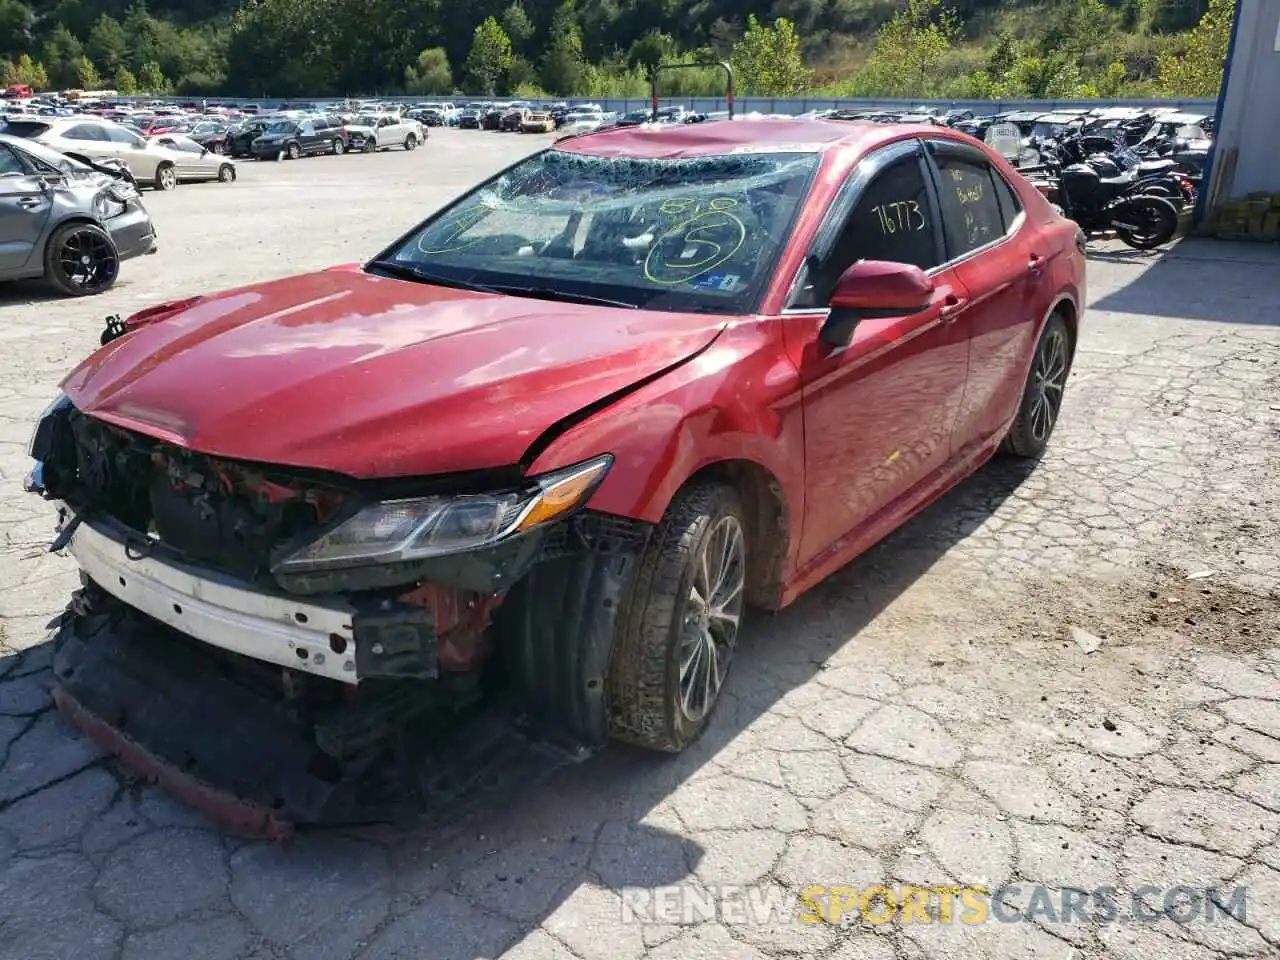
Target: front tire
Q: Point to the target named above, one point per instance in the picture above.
(1042, 395)
(166, 177)
(294, 151)
(226, 173)
(678, 627)
(411, 142)
(339, 148)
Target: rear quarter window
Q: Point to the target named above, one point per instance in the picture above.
(28, 129)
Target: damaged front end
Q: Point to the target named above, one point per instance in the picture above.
(278, 646)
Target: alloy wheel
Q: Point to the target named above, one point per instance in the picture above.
(712, 613)
(1049, 378)
(88, 260)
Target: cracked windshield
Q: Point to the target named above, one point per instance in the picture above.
(690, 234)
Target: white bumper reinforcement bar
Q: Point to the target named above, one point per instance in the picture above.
(223, 612)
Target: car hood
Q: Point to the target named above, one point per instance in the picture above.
(374, 377)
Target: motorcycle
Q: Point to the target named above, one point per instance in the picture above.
(1142, 220)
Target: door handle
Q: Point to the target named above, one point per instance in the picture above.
(952, 307)
(1035, 264)
(30, 203)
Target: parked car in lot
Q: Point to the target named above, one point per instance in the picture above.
(514, 117)
(91, 138)
(558, 435)
(239, 140)
(381, 131)
(538, 121)
(212, 134)
(65, 223)
(304, 137)
(582, 120)
(196, 161)
(492, 116)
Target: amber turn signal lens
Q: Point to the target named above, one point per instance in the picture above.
(562, 494)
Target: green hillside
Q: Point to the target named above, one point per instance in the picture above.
(863, 48)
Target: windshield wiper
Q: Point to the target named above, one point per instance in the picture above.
(548, 293)
(406, 271)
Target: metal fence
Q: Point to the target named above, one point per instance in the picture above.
(794, 105)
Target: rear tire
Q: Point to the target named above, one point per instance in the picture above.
(1042, 395)
(166, 177)
(339, 148)
(65, 256)
(677, 628)
(1155, 219)
(294, 151)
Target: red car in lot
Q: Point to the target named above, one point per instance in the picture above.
(562, 434)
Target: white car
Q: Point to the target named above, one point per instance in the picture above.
(581, 121)
(196, 161)
(88, 137)
(380, 131)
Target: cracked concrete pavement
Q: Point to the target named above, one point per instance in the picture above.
(924, 717)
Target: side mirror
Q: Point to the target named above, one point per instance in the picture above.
(874, 288)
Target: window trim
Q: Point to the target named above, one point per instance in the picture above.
(848, 197)
(963, 151)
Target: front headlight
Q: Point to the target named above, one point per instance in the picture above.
(397, 531)
(60, 402)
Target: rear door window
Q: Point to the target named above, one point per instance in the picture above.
(87, 131)
(974, 213)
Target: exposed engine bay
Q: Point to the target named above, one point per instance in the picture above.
(269, 695)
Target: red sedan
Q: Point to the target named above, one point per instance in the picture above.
(560, 434)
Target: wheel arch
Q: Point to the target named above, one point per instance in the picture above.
(1066, 307)
(766, 519)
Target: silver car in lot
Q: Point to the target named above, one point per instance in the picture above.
(65, 222)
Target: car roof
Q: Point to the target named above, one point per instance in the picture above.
(755, 135)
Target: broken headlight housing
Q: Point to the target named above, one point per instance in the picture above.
(397, 531)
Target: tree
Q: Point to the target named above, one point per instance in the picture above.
(650, 50)
(17, 21)
(908, 49)
(126, 83)
(519, 28)
(87, 75)
(564, 66)
(285, 48)
(490, 56)
(766, 61)
(723, 36)
(1112, 81)
(1130, 14)
(522, 75)
(430, 73)
(108, 46)
(1198, 71)
(62, 53)
(1082, 27)
(152, 80)
(1004, 56)
(31, 72)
